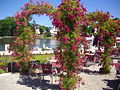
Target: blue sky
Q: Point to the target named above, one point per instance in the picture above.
(10, 7)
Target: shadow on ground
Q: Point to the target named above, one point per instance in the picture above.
(87, 71)
(37, 83)
(112, 84)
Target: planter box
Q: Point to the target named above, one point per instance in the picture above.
(12, 67)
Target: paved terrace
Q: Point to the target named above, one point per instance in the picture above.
(93, 81)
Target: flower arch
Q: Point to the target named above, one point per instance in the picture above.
(107, 29)
(69, 18)
(25, 35)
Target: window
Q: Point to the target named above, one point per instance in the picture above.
(2, 47)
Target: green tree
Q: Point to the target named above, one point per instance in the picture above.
(7, 26)
(48, 34)
(46, 29)
(41, 29)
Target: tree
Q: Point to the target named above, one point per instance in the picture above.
(45, 29)
(41, 29)
(48, 34)
(7, 26)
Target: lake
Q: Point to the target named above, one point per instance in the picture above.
(39, 43)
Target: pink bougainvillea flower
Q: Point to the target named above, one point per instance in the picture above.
(27, 4)
(13, 54)
(71, 74)
(67, 30)
(27, 30)
(65, 38)
(74, 48)
(71, 17)
(38, 2)
(18, 39)
(17, 27)
(24, 13)
(17, 23)
(23, 23)
(17, 64)
(26, 41)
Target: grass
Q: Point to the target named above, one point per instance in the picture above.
(42, 58)
(7, 37)
(52, 37)
(2, 71)
(4, 60)
(47, 37)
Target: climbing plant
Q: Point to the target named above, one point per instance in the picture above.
(25, 35)
(107, 29)
(69, 18)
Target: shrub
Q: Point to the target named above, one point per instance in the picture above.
(1, 71)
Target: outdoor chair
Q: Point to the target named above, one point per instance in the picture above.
(88, 59)
(56, 69)
(50, 69)
(35, 68)
(47, 70)
(43, 69)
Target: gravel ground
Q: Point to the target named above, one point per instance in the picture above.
(93, 81)
(24, 82)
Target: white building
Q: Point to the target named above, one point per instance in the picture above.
(37, 30)
(53, 31)
(4, 50)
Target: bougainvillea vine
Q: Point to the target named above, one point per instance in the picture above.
(25, 35)
(107, 29)
(69, 19)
